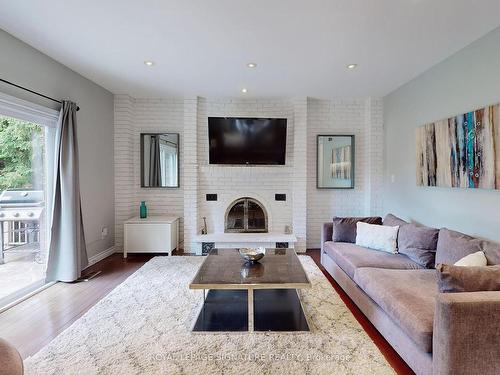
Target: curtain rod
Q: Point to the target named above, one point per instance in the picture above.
(33, 92)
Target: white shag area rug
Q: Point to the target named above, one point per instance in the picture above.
(143, 327)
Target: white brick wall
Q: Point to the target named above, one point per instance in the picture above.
(124, 159)
(375, 139)
(230, 182)
(133, 117)
(306, 208)
(346, 116)
(299, 176)
(189, 165)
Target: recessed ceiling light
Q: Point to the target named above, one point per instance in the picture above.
(352, 66)
(244, 91)
(252, 65)
(149, 63)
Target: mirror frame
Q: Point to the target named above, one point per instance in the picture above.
(142, 162)
(353, 161)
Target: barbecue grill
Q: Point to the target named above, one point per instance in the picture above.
(22, 211)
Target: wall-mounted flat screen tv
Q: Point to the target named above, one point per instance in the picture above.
(249, 141)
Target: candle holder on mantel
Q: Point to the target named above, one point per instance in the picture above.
(204, 230)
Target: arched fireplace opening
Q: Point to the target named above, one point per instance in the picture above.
(245, 215)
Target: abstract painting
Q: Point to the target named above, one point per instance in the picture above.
(341, 162)
(461, 151)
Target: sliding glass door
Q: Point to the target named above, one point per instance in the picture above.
(26, 154)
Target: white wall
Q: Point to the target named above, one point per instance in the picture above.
(305, 208)
(232, 182)
(363, 118)
(133, 117)
(28, 67)
(468, 80)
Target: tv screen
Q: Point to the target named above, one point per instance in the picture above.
(247, 140)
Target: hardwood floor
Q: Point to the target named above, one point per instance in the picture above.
(33, 323)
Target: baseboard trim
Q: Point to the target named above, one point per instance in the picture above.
(100, 256)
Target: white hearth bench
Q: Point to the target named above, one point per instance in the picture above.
(238, 240)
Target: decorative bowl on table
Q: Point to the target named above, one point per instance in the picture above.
(252, 254)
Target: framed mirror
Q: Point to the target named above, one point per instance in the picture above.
(159, 160)
(335, 162)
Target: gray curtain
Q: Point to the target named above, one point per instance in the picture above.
(154, 162)
(67, 251)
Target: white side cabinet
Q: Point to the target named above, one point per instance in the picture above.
(155, 234)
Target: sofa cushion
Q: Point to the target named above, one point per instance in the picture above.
(343, 232)
(418, 243)
(452, 279)
(10, 360)
(453, 246)
(406, 296)
(349, 256)
(492, 252)
(344, 228)
(393, 221)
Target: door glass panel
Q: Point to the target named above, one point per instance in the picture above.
(235, 217)
(23, 221)
(256, 216)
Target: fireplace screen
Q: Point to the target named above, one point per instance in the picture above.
(246, 215)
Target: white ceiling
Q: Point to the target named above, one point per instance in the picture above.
(201, 47)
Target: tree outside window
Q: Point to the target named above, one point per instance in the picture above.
(21, 154)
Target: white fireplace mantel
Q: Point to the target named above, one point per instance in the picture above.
(239, 240)
(246, 237)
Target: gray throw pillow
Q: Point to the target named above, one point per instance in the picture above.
(343, 232)
(392, 221)
(344, 228)
(453, 246)
(492, 252)
(418, 243)
(452, 279)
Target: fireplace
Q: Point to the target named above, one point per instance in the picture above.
(245, 215)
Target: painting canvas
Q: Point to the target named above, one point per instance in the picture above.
(462, 151)
(341, 163)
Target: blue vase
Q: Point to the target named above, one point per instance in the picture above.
(143, 210)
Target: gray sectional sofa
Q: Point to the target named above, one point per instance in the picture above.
(435, 333)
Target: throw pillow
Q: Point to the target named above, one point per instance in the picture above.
(418, 243)
(477, 259)
(453, 246)
(392, 221)
(452, 279)
(344, 232)
(377, 237)
(492, 252)
(344, 228)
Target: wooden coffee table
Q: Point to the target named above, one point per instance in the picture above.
(251, 297)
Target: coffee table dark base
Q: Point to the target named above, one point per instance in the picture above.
(223, 310)
(274, 310)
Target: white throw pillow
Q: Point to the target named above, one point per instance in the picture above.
(477, 259)
(377, 237)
